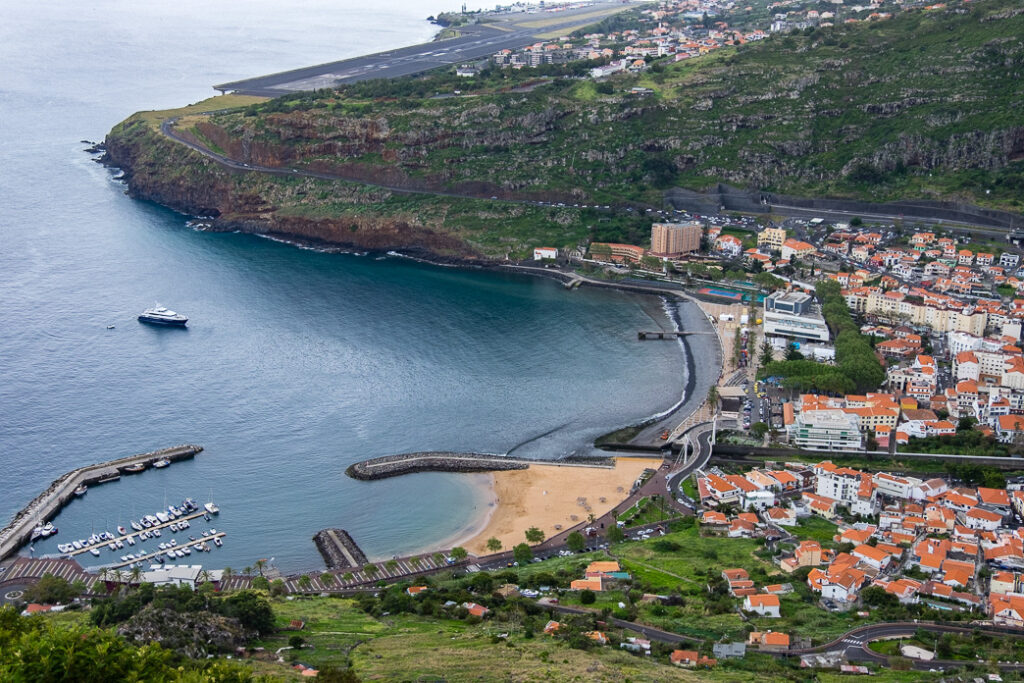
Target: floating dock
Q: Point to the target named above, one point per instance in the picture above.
(47, 504)
(149, 557)
(338, 549)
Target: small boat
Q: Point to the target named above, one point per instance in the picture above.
(94, 539)
(137, 467)
(122, 531)
(206, 533)
(161, 463)
(110, 327)
(217, 542)
(82, 542)
(212, 531)
(48, 529)
(170, 554)
(95, 552)
(183, 524)
(77, 545)
(65, 547)
(174, 527)
(124, 558)
(119, 544)
(206, 516)
(162, 517)
(187, 550)
(159, 315)
(191, 538)
(136, 526)
(162, 546)
(130, 540)
(111, 546)
(155, 532)
(131, 556)
(178, 553)
(173, 542)
(211, 508)
(80, 491)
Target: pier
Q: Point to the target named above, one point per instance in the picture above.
(643, 335)
(163, 525)
(338, 549)
(149, 557)
(47, 504)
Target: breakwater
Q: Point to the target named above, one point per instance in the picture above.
(44, 506)
(443, 461)
(338, 549)
(431, 461)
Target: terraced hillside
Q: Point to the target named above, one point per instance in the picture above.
(927, 104)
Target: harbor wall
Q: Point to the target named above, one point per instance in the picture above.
(407, 463)
(338, 549)
(48, 503)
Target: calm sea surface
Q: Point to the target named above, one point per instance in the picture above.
(295, 363)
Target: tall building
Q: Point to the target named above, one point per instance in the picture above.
(675, 239)
(826, 430)
(773, 238)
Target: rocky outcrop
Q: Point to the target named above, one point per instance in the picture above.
(193, 634)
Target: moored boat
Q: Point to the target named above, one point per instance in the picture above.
(80, 491)
(137, 467)
(211, 508)
(161, 463)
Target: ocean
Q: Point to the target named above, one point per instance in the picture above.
(295, 363)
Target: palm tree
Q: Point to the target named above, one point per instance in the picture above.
(260, 564)
(327, 579)
(247, 571)
(136, 574)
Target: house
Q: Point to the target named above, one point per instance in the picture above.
(475, 609)
(762, 604)
(636, 645)
(551, 627)
(598, 637)
(415, 590)
(541, 253)
(736, 650)
(591, 584)
(769, 641)
(690, 658)
(1007, 610)
(872, 557)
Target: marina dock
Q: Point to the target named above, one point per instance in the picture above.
(47, 504)
(149, 557)
(163, 525)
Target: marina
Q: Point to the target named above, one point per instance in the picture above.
(158, 554)
(156, 527)
(74, 484)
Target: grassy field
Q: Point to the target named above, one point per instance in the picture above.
(156, 117)
(815, 528)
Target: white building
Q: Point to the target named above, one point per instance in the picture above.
(180, 575)
(826, 430)
(541, 253)
(896, 487)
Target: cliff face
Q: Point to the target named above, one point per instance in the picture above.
(166, 172)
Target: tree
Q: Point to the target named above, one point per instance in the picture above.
(759, 429)
(370, 569)
(259, 565)
(252, 611)
(296, 642)
(713, 398)
(260, 583)
(493, 544)
(793, 352)
(615, 534)
(522, 553)
(767, 353)
(588, 597)
(534, 535)
(49, 590)
(304, 583)
(277, 586)
(459, 553)
(575, 541)
(327, 579)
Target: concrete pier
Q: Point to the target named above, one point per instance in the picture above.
(47, 504)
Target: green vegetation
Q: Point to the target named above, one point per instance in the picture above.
(816, 528)
(964, 442)
(38, 649)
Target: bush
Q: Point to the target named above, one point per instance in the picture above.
(588, 597)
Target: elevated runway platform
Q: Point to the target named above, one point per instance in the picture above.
(477, 41)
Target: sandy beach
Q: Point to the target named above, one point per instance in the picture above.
(546, 495)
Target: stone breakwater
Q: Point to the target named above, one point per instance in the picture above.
(338, 549)
(434, 461)
(49, 502)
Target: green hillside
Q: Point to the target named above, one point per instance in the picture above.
(923, 105)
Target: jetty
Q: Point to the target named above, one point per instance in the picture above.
(157, 553)
(338, 549)
(47, 504)
(444, 461)
(163, 525)
(667, 334)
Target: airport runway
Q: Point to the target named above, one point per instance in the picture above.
(478, 41)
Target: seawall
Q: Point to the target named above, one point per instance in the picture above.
(48, 503)
(444, 461)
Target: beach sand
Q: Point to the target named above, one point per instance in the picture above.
(546, 495)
